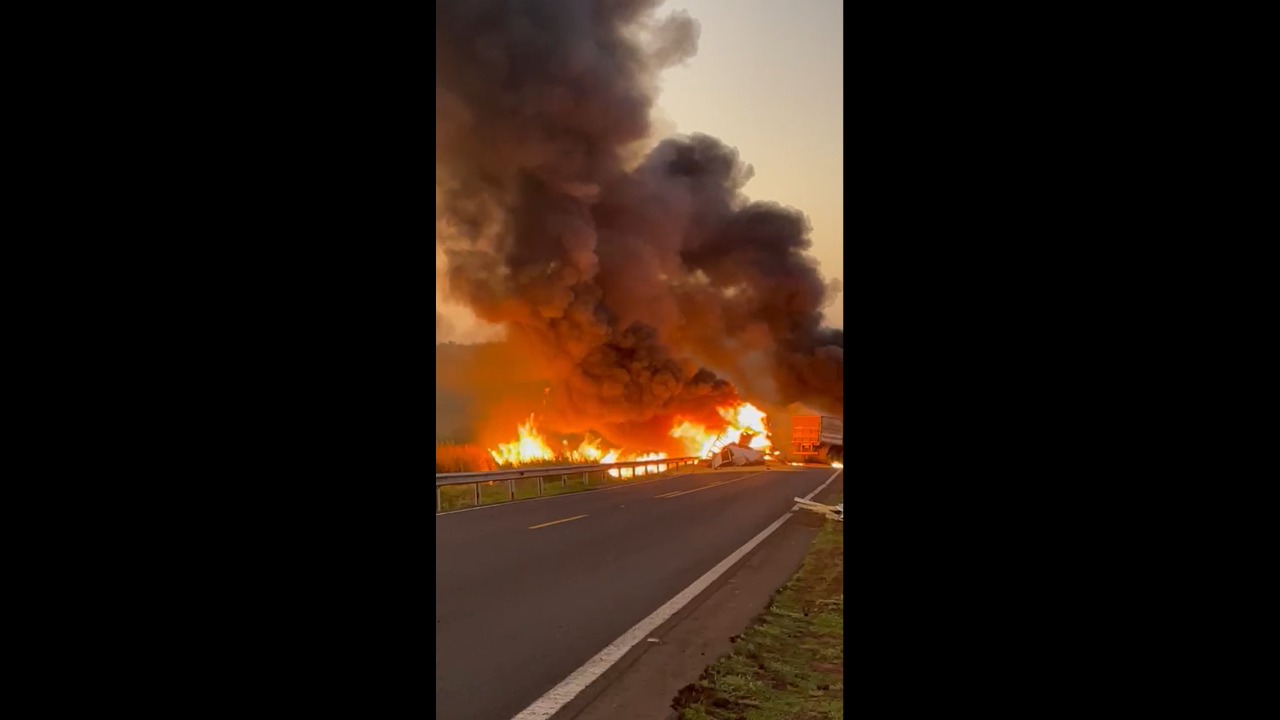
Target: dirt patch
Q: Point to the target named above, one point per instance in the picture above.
(810, 519)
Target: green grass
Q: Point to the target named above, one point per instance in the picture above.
(790, 664)
(457, 497)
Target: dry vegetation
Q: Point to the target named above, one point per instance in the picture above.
(453, 457)
(464, 457)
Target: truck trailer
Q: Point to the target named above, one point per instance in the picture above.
(817, 438)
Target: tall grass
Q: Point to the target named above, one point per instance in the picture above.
(462, 457)
(452, 457)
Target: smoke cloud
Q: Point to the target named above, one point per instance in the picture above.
(623, 277)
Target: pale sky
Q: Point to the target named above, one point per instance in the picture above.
(768, 79)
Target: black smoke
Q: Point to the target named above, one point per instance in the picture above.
(624, 277)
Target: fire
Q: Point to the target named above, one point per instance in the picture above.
(590, 450)
(530, 447)
(742, 418)
(745, 417)
(698, 441)
(837, 464)
(630, 472)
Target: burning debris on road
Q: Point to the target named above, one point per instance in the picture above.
(737, 455)
(740, 425)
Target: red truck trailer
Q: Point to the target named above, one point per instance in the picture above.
(817, 438)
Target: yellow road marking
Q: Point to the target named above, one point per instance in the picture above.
(556, 522)
(678, 493)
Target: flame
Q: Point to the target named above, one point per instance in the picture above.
(697, 439)
(529, 447)
(632, 472)
(745, 417)
(741, 418)
(837, 464)
(589, 450)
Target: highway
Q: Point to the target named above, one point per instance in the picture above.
(527, 592)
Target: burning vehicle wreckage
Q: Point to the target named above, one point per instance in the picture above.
(741, 454)
(629, 275)
(737, 454)
(741, 438)
(683, 437)
(744, 441)
(750, 447)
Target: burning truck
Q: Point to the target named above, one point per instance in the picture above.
(742, 438)
(738, 455)
(814, 439)
(630, 274)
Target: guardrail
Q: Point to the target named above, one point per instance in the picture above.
(630, 468)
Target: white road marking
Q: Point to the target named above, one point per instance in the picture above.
(557, 522)
(569, 688)
(678, 493)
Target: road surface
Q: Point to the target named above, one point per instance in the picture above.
(528, 592)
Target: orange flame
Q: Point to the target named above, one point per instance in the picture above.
(589, 450)
(744, 417)
(642, 470)
(697, 439)
(529, 447)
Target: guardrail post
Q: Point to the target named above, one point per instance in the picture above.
(628, 470)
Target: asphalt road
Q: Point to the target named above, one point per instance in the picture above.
(519, 607)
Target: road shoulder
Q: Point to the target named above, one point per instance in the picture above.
(642, 685)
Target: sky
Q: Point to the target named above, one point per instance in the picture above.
(768, 79)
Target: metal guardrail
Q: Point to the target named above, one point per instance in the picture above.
(638, 468)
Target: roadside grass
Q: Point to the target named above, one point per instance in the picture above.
(458, 497)
(790, 664)
(464, 457)
(455, 457)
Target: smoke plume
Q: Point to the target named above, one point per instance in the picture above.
(622, 276)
